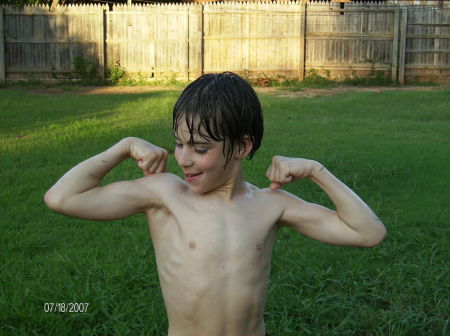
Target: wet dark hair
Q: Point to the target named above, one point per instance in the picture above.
(226, 108)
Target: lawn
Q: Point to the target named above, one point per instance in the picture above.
(391, 148)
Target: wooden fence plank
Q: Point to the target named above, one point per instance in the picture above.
(402, 52)
(395, 42)
(186, 67)
(201, 39)
(301, 65)
(2, 48)
(101, 42)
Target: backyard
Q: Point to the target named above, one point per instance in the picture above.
(390, 146)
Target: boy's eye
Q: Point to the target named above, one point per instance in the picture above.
(197, 150)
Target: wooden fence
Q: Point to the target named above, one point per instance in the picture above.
(186, 40)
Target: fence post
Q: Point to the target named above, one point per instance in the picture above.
(101, 42)
(195, 38)
(2, 48)
(403, 25)
(202, 40)
(187, 42)
(395, 42)
(301, 66)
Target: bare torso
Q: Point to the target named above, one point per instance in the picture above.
(213, 261)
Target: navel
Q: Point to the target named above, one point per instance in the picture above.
(192, 244)
(258, 247)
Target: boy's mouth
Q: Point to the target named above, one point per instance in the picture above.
(192, 177)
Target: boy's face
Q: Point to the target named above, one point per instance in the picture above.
(202, 161)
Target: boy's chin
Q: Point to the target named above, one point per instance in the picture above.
(199, 190)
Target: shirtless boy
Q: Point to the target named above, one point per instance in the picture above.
(212, 231)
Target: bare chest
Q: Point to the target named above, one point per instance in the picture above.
(211, 252)
(213, 231)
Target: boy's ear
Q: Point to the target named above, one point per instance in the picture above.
(243, 152)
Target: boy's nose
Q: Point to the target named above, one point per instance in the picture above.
(184, 159)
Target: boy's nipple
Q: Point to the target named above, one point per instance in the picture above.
(192, 244)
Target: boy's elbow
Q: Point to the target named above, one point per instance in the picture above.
(377, 237)
(53, 201)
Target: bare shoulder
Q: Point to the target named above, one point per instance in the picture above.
(161, 186)
(280, 196)
(163, 182)
(291, 207)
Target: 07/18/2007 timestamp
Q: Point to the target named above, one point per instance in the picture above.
(65, 307)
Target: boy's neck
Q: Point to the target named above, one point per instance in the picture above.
(234, 187)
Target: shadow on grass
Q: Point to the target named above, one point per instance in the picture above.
(23, 112)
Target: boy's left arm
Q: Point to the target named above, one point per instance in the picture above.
(353, 223)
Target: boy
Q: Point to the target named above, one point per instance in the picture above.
(213, 232)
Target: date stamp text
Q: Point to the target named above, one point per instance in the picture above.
(65, 307)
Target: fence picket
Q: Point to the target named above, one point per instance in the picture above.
(2, 48)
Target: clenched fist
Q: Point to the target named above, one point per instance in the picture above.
(150, 158)
(284, 170)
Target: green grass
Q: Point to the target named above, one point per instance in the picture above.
(391, 148)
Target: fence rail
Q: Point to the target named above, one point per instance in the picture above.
(187, 40)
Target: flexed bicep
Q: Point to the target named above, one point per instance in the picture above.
(113, 201)
(317, 222)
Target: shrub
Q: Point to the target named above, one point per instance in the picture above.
(86, 68)
(117, 73)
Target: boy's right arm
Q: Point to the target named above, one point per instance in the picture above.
(79, 194)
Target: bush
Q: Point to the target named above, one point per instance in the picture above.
(87, 69)
(117, 73)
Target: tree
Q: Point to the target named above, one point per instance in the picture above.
(56, 3)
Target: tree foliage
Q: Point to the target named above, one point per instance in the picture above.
(26, 2)
(66, 2)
